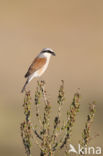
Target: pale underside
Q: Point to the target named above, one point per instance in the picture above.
(42, 68)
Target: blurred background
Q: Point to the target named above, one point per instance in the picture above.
(74, 29)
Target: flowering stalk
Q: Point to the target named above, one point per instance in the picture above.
(26, 125)
(50, 141)
(90, 118)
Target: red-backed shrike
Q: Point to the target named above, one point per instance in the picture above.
(39, 65)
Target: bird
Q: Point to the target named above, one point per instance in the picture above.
(38, 66)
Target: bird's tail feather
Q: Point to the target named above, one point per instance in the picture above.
(24, 86)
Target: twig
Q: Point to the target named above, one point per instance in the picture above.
(74, 108)
(37, 102)
(86, 132)
(26, 125)
(60, 101)
(46, 121)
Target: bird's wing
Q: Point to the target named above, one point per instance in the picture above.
(36, 64)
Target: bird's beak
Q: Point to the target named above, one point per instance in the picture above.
(53, 53)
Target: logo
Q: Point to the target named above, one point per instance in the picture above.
(85, 150)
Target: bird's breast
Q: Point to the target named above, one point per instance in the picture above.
(43, 69)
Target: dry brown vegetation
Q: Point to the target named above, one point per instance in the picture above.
(51, 140)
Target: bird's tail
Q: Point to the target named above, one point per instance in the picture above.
(24, 86)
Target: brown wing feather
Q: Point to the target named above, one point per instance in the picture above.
(36, 64)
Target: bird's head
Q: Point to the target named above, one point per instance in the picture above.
(48, 50)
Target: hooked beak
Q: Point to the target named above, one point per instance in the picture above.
(53, 53)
